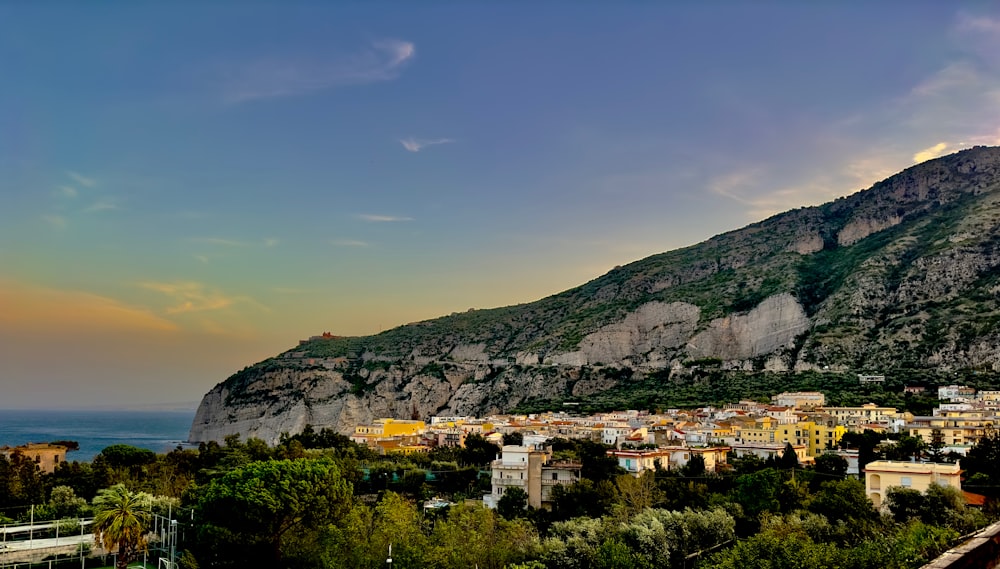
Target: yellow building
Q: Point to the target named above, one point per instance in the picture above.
(384, 428)
(402, 430)
(955, 427)
(761, 432)
(881, 475)
(863, 415)
(816, 436)
(46, 456)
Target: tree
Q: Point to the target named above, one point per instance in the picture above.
(695, 467)
(478, 451)
(20, 481)
(936, 447)
(63, 503)
(757, 492)
(830, 466)
(121, 522)
(582, 499)
(980, 465)
(866, 442)
(789, 459)
(662, 538)
(513, 503)
(258, 511)
(473, 536)
(904, 503)
(906, 448)
(413, 482)
(122, 464)
(637, 493)
(846, 501)
(515, 438)
(361, 539)
(767, 550)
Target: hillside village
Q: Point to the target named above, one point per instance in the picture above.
(799, 422)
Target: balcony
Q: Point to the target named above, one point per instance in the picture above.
(499, 465)
(566, 464)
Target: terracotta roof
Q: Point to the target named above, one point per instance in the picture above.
(974, 499)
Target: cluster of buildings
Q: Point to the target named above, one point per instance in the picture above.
(644, 441)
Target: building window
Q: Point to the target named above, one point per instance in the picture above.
(555, 476)
(906, 481)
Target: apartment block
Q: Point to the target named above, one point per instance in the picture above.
(531, 470)
(882, 475)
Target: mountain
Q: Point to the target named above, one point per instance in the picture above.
(903, 275)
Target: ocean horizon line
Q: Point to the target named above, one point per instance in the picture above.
(178, 407)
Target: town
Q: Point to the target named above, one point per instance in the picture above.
(796, 422)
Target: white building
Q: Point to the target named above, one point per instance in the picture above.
(871, 378)
(531, 470)
(955, 392)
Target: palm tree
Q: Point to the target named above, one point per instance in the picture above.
(122, 521)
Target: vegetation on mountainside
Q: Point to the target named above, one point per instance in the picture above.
(701, 387)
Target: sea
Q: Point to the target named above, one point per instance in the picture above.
(158, 431)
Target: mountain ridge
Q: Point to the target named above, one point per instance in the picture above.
(904, 273)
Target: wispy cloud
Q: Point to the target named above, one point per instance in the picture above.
(68, 191)
(271, 242)
(350, 243)
(951, 107)
(966, 22)
(732, 184)
(417, 144)
(374, 218)
(929, 153)
(82, 180)
(104, 204)
(751, 187)
(188, 296)
(31, 308)
(284, 77)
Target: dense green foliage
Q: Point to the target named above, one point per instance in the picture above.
(707, 386)
(317, 500)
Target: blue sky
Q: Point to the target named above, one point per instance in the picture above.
(186, 189)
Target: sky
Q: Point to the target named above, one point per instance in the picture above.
(188, 188)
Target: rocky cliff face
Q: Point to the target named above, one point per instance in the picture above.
(906, 273)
